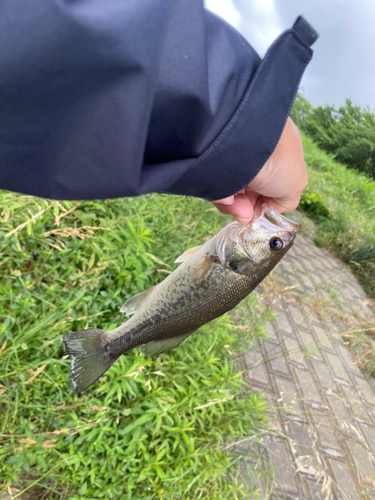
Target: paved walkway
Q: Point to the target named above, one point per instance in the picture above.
(322, 408)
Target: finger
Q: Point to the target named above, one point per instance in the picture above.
(225, 201)
(241, 209)
(283, 205)
(252, 196)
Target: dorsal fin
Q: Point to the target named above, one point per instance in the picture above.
(187, 254)
(132, 304)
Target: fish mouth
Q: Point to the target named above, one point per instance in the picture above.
(280, 220)
(262, 210)
(268, 218)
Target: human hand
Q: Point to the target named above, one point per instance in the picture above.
(281, 180)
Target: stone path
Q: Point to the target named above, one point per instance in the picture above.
(322, 408)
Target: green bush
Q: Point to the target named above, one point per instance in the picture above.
(149, 428)
(313, 205)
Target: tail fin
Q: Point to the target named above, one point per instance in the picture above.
(89, 357)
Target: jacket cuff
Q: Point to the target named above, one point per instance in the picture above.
(251, 135)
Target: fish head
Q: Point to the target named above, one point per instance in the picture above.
(255, 248)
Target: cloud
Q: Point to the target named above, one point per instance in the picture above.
(226, 10)
(259, 22)
(343, 64)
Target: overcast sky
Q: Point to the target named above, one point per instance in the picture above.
(343, 64)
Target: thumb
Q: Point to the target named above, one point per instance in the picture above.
(241, 208)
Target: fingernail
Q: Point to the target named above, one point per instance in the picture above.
(242, 220)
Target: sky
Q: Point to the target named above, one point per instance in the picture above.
(343, 65)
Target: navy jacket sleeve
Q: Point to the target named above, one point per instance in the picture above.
(103, 99)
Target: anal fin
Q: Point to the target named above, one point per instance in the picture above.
(156, 347)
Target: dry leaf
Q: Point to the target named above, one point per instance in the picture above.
(36, 373)
(3, 346)
(50, 443)
(27, 441)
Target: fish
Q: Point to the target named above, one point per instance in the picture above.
(211, 280)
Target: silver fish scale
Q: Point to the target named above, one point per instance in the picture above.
(210, 281)
(177, 307)
(206, 285)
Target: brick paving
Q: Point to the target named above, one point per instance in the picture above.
(322, 408)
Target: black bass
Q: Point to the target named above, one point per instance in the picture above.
(211, 280)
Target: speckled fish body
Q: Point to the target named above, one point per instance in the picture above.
(211, 280)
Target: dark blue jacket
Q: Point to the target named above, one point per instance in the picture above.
(103, 99)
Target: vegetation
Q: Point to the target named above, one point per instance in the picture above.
(347, 132)
(313, 205)
(342, 202)
(301, 110)
(148, 429)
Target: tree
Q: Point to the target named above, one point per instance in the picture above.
(348, 133)
(302, 108)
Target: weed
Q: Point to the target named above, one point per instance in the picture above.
(150, 428)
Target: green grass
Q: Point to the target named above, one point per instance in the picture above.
(342, 202)
(149, 428)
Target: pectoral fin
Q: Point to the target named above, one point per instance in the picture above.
(156, 347)
(132, 304)
(187, 254)
(201, 269)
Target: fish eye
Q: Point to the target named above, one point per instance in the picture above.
(275, 244)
